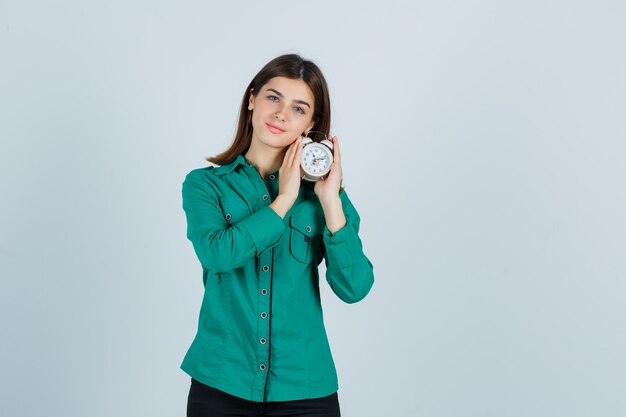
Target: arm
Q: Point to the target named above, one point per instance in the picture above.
(349, 272)
(219, 246)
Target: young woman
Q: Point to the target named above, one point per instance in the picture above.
(260, 232)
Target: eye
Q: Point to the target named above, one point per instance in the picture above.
(299, 109)
(272, 98)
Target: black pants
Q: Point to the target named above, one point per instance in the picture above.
(205, 401)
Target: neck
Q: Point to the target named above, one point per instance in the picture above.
(264, 158)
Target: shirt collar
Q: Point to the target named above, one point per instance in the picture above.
(224, 169)
(239, 160)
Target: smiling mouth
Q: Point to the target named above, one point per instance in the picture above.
(274, 129)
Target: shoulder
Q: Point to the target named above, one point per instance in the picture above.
(205, 175)
(201, 180)
(200, 173)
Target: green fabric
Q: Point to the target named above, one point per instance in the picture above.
(261, 281)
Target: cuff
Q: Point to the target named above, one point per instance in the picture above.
(342, 247)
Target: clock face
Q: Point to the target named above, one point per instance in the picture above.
(316, 159)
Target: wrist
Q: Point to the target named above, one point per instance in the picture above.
(330, 200)
(286, 199)
(282, 204)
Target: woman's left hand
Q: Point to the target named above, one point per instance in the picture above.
(329, 186)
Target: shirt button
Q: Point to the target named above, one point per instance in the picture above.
(272, 176)
(262, 340)
(262, 367)
(265, 268)
(308, 228)
(228, 216)
(263, 314)
(265, 197)
(263, 291)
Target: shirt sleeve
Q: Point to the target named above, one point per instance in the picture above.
(219, 246)
(349, 272)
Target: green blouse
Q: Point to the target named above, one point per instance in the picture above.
(261, 332)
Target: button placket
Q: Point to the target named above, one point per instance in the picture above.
(261, 186)
(263, 332)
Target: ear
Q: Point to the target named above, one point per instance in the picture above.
(251, 100)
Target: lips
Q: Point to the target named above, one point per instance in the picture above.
(274, 129)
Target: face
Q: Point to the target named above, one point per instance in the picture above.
(281, 111)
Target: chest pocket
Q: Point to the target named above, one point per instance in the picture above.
(305, 236)
(234, 210)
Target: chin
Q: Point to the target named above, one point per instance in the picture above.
(275, 142)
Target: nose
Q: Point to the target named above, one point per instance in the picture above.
(280, 114)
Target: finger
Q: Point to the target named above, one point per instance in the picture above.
(296, 145)
(289, 155)
(292, 151)
(336, 150)
(298, 154)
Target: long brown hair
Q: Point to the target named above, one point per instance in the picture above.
(290, 66)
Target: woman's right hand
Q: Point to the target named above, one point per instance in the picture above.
(290, 174)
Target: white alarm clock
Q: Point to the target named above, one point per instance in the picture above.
(316, 158)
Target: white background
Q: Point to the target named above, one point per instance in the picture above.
(483, 146)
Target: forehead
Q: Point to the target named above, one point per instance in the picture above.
(290, 88)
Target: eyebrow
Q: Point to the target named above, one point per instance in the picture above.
(295, 101)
